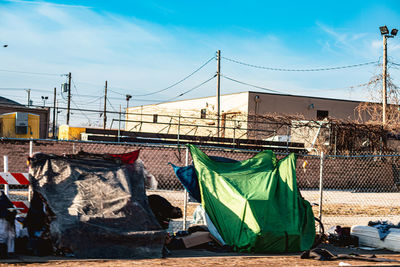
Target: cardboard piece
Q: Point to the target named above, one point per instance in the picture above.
(195, 239)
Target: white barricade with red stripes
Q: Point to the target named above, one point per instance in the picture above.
(16, 178)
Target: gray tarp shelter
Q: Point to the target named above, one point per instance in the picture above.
(100, 205)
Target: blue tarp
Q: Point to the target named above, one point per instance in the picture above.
(188, 177)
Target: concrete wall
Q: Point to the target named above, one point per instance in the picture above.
(300, 105)
(187, 114)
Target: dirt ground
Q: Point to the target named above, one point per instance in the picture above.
(207, 258)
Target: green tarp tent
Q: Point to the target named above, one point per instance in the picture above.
(255, 203)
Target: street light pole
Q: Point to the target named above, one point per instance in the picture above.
(385, 33)
(29, 97)
(384, 74)
(44, 98)
(128, 97)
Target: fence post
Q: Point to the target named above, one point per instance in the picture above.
(185, 198)
(119, 124)
(30, 155)
(6, 187)
(287, 138)
(179, 127)
(321, 169)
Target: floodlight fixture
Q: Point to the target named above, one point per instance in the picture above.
(394, 32)
(44, 98)
(384, 30)
(127, 100)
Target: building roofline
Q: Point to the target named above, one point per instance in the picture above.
(312, 97)
(176, 101)
(263, 93)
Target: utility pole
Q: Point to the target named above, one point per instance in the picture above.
(218, 88)
(384, 74)
(54, 113)
(69, 97)
(29, 97)
(105, 107)
(57, 113)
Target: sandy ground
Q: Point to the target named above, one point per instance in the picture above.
(207, 258)
(356, 201)
(272, 260)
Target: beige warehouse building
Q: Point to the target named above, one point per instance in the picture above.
(199, 116)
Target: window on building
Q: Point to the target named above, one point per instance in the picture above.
(155, 118)
(322, 114)
(203, 113)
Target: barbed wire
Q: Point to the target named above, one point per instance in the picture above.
(300, 70)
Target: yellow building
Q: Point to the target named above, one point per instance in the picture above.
(19, 125)
(65, 132)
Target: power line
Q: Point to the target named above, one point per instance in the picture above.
(33, 73)
(188, 91)
(22, 89)
(180, 81)
(256, 86)
(304, 70)
(75, 86)
(118, 93)
(275, 91)
(79, 109)
(92, 101)
(111, 105)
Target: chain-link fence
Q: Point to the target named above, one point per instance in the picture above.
(359, 189)
(355, 189)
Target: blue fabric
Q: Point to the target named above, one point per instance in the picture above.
(187, 176)
(383, 228)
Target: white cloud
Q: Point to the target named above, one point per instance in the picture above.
(41, 3)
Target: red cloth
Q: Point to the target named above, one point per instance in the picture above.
(127, 158)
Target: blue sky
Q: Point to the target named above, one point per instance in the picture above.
(141, 47)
